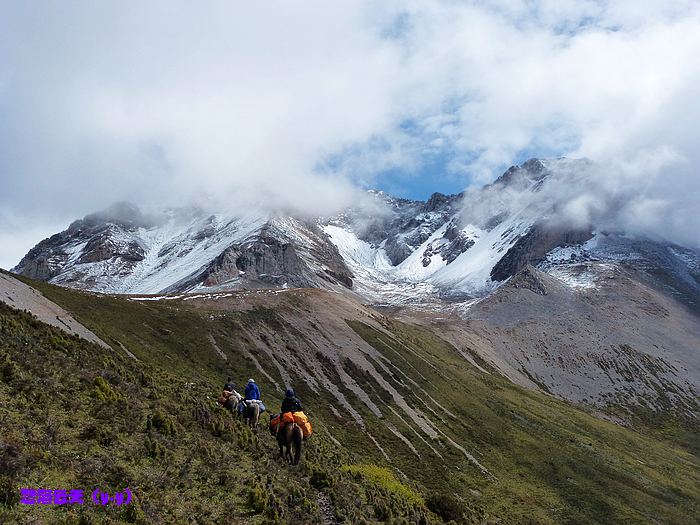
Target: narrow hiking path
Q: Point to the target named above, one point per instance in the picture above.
(326, 509)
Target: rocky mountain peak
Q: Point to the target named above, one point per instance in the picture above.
(530, 172)
(124, 214)
(386, 249)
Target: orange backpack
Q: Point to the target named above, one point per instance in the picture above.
(288, 417)
(223, 397)
(303, 422)
(274, 421)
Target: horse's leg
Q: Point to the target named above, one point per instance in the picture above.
(297, 438)
(288, 444)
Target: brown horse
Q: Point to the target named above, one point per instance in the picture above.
(289, 439)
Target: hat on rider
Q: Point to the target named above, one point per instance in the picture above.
(289, 392)
(251, 380)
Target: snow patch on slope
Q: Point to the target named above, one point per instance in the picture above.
(425, 272)
(374, 276)
(470, 272)
(413, 268)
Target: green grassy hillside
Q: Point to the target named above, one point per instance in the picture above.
(478, 450)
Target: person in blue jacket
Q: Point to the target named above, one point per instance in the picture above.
(252, 392)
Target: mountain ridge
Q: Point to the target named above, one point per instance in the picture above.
(387, 250)
(427, 243)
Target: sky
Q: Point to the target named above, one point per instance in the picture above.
(299, 105)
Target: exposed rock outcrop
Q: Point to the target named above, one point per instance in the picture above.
(528, 279)
(265, 259)
(533, 246)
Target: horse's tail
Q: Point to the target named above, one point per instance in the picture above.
(297, 438)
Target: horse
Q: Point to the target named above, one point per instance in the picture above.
(231, 403)
(289, 439)
(251, 414)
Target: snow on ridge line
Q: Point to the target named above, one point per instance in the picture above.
(180, 266)
(207, 296)
(173, 252)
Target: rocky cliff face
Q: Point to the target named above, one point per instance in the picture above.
(401, 226)
(272, 258)
(185, 249)
(97, 235)
(532, 248)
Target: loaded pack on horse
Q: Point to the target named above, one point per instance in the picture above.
(289, 438)
(290, 427)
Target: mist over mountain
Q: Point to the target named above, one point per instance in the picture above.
(384, 248)
(105, 103)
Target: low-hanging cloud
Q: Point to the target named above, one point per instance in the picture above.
(297, 105)
(622, 197)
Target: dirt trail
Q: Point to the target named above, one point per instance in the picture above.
(128, 352)
(326, 507)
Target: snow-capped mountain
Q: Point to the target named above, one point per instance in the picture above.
(591, 314)
(387, 250)
(122, 250)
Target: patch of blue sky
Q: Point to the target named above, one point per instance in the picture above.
(425, 159)
(432, 175)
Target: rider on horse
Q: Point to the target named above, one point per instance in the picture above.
(229, 386)
(229, 397)
(251, 393)
(291, 403)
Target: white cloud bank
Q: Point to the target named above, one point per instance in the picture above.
(295, 104)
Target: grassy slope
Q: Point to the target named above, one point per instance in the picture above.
(552, 462)
(74, 415)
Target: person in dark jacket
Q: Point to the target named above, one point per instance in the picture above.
(229, 386)
(291, 403)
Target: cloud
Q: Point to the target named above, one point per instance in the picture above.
(296, 105)
(629, 197)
